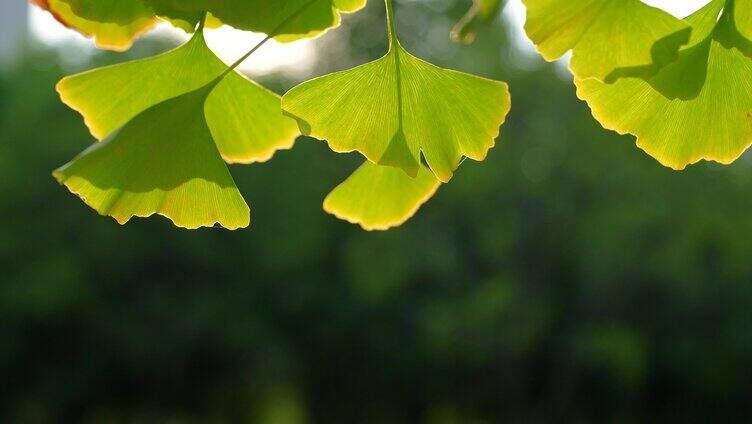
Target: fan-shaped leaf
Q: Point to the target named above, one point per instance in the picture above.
(245, 119)
(398, 106)
(115, 32)
(608, 38)
(162, 162)
(699, 107)
(380, 197)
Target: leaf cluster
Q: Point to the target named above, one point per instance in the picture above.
(679, 85)
(168, 125)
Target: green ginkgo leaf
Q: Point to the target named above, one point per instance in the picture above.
(396, 107)
(121, 12)
(731, 32)
(309, 17)
(245, 118)
(608, 38)
(699, 107)
(380, 197)
(116, 35)
(743, 17)
(482, 12)
(164, 162)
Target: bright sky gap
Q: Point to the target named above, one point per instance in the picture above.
(229, 43)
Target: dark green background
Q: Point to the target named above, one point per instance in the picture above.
(568, 278)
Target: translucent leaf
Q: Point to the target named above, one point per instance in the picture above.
(121, 12)
(743, 17)
(116, 23)
(608, 38)
(245, 118)
(261, 16)
(699, 107)
(482, 12)
(396, 107)
(117, 35)
(380, 197)
(164, 162)
(729, 32)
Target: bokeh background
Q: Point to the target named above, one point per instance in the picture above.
(568, 278)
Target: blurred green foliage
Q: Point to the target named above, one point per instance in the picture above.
(567, 278)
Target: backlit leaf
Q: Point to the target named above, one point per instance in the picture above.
(699, 107)
(121, 12)
(265, 16)
(608, 38)
(118, 35)
(397, 107)
(245, 118)
(380, 197)
(743, 17)
(164, 162)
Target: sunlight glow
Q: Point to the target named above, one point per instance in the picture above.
(514, 16)
(228, 43)
(298, 57)
(514, 13)
(679, 8)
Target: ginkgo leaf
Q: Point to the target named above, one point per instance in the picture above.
(107, 35)
(380, 197)
(699, 107)
(246, 121)
(164, 162)
(396, 107)
(482, 12)
(309, 17)
(731, 33)
(245, 118)
(743, 17)
(121, 12)
(608, 38)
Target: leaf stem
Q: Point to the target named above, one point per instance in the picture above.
(201, 22)
(390, 22)
(271, 35)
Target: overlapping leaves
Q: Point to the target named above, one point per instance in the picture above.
(681, 86)
(115, 23)
(608, 38)
(395, 111)
(166, 124)
(311, 16)
(108, 31)
(399, 107)
(165, 162)
(698, 107)
(244, 117)
(169, 124)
